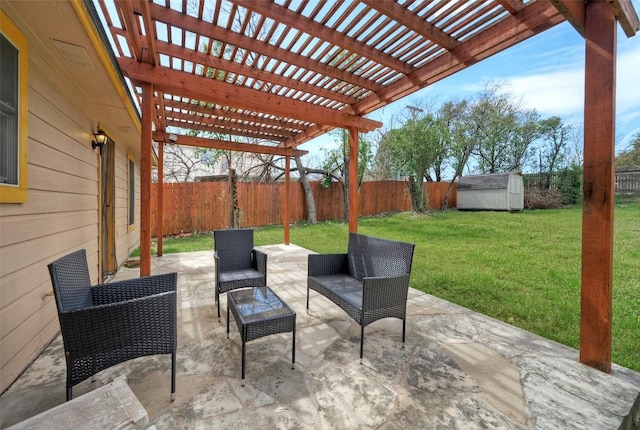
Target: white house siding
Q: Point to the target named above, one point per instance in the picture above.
(61, 213)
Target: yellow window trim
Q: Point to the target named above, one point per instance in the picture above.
(131, 193)
(12, 193)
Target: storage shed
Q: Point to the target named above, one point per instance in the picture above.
(495, 191)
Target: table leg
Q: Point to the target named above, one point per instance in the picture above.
(243, 353)
(293, 348)
(227, 321)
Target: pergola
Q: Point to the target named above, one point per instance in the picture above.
(273, 74)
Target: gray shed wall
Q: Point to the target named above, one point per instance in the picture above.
(508, 197)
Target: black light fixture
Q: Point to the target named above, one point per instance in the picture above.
(100, 138)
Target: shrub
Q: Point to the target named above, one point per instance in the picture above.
(570, 185)
(542, 199)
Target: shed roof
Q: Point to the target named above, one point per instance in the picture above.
(490, 181)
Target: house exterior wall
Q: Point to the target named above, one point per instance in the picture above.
(62, 211)
(127, 237)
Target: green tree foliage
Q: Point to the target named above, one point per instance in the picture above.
(630, 156)
(554, 139)
(504, 131)
(335, 164)
(487, 134)
(415, 148)
(570, 184)
(456, 117)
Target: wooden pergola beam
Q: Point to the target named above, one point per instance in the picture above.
(227, 145)
(309, 26)
(131, 25)
(354, 198)
(626, 14)
(573, 12)
(145, 179)
(200, 122)
(209, 60)
(240, 116)
(221, 131)
(413, 22)
(215, 32)
(623, 10)
(308, 134)
(598, 186)
(512, 6)
(529, 21)
(195, 87)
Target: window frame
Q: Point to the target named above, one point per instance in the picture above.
(131, 192)
(10, 193)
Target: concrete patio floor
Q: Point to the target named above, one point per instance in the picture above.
(459, 370)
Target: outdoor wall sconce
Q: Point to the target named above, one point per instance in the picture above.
(100, 138)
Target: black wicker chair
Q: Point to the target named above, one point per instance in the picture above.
(108, 324)
(369, 282)
(238, 265)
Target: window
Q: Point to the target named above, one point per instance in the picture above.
(132, 192)
(13, 112)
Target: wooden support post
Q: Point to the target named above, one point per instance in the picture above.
(287, 198)
(354, 198)
(597, 212)
(145, 180)
(160, 199)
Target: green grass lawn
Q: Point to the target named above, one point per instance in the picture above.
(521, 268)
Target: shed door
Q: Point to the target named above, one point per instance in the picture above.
(516, 193)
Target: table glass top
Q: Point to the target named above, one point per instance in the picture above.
(258, 303)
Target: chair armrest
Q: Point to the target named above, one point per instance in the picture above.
(120, 291)
(108, 327)
(259, 260)
(384, 292)
(216, 262)
(327, 264)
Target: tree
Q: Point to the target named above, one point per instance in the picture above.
(381, 169)
(554, 139)
(630, 156)
(495, 119)
(335, 164)
(181, 164)
(415, 148)
(526, 133)
(456, 116)
(308, 193)
(504, 131)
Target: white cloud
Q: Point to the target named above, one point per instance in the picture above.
(559, 93)
(628, 80)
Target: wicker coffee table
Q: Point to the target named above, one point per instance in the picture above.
(259, 312)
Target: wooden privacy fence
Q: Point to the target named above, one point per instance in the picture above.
(204, 206)
(628, 182)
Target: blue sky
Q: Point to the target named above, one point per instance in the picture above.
(546, 72)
